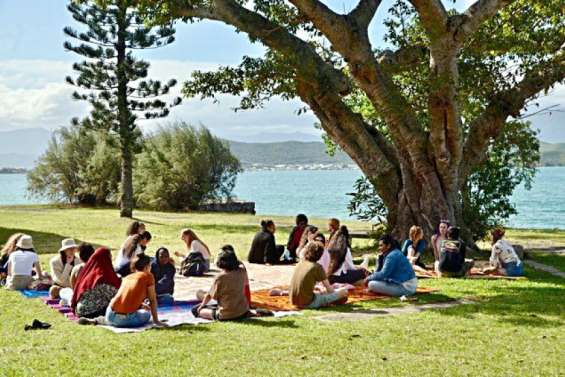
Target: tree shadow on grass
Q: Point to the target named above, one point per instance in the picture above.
(529, 304)
(44, 243)
(146, 221)
(269, 322)
(226, 228)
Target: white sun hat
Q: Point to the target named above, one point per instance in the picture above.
(25, 242)
(67, 243)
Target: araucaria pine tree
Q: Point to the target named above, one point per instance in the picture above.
(115, 82)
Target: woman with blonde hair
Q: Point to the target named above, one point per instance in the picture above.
(415, 246)
(194, 245)
(9, 247)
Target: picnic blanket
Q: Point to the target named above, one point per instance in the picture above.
(262, 299)
(175, 314)
(475, 274)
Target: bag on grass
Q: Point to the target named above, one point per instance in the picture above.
(193, 265)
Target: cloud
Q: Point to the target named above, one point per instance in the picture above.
(33, 94)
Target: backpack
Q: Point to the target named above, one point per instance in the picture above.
(193, 265)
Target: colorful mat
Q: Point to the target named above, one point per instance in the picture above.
(262, 299)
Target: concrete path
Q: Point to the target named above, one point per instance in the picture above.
(260, 277)
(372, 313)
(545, 268)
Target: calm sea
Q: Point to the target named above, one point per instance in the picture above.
(324, 194)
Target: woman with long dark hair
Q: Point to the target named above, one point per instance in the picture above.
(135, 245)
(341, 268)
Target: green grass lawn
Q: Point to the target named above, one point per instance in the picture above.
(516, 328)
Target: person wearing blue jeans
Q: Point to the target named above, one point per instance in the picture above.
(395, 277)
(135, 319)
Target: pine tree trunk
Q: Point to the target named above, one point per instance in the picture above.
(125, 131)
(126, 200)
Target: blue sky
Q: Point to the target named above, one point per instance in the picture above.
(33, 65)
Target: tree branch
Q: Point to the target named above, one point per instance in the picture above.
(365, 11)
(402, 59)
(433, 15)
(505, 104)
(475, 15)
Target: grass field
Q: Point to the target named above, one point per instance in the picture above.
(516, 328)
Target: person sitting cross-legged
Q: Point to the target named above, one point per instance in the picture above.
(452, 262)
(163, 271)
(306, 274)
(229, 289)
(128, 308)
(503, 258)
(395, 276)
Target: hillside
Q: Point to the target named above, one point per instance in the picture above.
(552, 154)
(21, 148)
(286, 153)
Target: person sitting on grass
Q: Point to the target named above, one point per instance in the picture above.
(310, 232)
(9, 248)
(228, 289)
(439, 237)
(163, 271)
(21, 264)
(415, 246)
(135, 245)
(264, 249)
(85, 251)
(128, 308)
(95, 286)
(452, 262)
(395, 277)
(503, 258)
(62, 266)
(304, 278)
(195, 246)
(296, 235)
(341, 268)
(136, 227)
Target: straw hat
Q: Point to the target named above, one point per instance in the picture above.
(67, 243)
(25, 242)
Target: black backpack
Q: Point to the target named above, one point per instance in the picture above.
(193, 265)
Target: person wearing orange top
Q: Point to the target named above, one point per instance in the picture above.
(127, 308)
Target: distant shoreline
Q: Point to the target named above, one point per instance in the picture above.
(13, 171)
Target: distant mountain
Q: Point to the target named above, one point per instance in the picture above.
(286, 153)
(21, 148)
(552, 154)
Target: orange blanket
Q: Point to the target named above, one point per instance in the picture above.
(475, 274)
(262, 299)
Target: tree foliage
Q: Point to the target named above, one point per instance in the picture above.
(182, 167)
(79, 166)
(113, 80)
(419, 118)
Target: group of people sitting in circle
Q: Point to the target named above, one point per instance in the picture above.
(126, 292)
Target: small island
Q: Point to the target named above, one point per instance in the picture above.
(13, 171)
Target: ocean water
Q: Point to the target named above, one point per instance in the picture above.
(323, 193)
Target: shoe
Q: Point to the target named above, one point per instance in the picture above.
(86, 321)
(37, 325)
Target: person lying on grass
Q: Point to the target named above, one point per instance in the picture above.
(395, 275)
(21, 264)
(503, 258)
(229, 289)
(128, 308)
(306, 274)
(62, 266)
(452, 262)
(163, 271)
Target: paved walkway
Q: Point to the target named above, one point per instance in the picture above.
(372, 313)
(545, 268)
(260, 277)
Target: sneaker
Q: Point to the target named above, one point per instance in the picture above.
(86, 321)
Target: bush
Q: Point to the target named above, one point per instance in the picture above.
(79, 166)
(182, 166)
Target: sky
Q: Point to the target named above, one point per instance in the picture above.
(33, 66)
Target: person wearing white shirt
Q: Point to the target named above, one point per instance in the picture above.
(194, 245)
(21, 264)
(503, 258)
